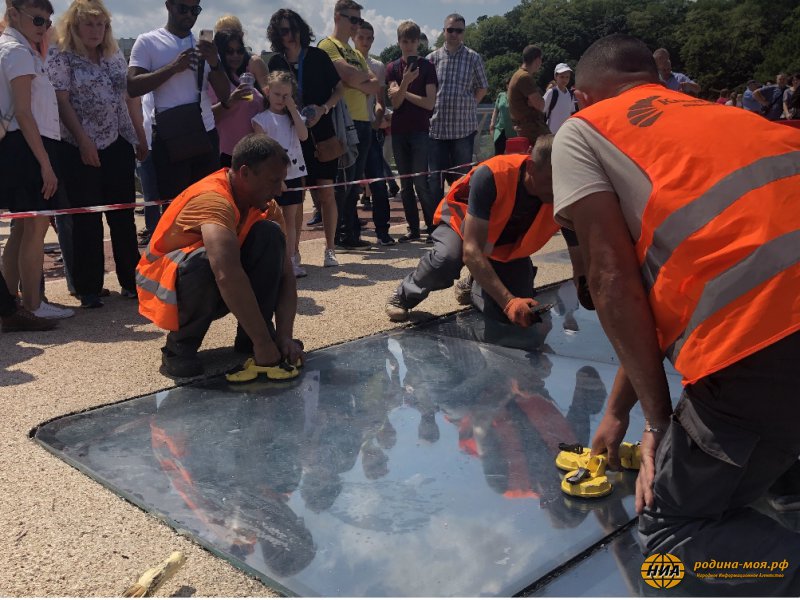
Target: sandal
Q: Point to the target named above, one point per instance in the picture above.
(589, 481)
(250, 371)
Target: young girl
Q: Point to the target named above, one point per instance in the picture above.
(284, 123)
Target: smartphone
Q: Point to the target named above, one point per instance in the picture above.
(412, 63)
(206, 35)
(540, 309)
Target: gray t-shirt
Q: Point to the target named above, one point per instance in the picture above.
(584, 163)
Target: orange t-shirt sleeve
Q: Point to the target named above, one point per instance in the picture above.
(206, 208)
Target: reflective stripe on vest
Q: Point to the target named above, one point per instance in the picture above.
(506, 173)
(718, 243)
(156, 273)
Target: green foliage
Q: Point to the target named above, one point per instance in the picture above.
(719, 43)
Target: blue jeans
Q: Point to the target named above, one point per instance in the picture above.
(446, 154)
(349, 228)
(411, 156)
(380, 193)
(147, 176)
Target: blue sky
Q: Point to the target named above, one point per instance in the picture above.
(131, 17)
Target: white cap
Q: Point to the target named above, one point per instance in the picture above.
(562, 68)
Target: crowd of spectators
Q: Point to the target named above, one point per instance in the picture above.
(78, 124)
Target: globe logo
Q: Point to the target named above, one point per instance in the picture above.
(662, 571)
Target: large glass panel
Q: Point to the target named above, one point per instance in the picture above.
(414, 463)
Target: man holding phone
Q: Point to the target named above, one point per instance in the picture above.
(412, 85)
(491, 220)
(178, 68)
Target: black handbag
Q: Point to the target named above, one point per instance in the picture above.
(181, 128)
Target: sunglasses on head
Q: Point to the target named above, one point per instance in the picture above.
(239, 51)
(185, 8)
(37, 21)
(454, 30)
(353, 19)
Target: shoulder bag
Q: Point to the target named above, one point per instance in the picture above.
(181, 128)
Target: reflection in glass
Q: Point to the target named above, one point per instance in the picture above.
(418, 462)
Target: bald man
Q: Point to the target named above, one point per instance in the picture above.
(695, 257)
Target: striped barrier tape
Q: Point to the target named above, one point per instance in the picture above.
(109, 207)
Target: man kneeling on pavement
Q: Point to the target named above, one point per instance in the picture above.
(215, 251)
(492, 220)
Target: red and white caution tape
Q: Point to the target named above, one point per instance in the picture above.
(109, 207)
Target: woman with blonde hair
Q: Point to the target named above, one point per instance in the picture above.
(100, 128)
(29, 149)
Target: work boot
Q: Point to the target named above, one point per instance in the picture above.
(176, 365)
(463, 290)
(25, 320)
(395, 309)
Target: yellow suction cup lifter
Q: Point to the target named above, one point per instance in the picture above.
(589, 481)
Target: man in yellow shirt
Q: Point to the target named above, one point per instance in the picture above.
(359, 82)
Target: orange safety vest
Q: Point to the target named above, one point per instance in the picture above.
(157, 272)
(505, 168)
(719, 247)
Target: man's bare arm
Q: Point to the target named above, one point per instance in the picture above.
(356, 78)
(476, 235)
(224, 256)
(479, 94)
(620, 299)
(536, 101)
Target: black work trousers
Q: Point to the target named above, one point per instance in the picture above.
(112, 183)
(199, 298)
(441, 266)
(733, 434)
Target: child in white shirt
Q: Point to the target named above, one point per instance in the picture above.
(283, 122)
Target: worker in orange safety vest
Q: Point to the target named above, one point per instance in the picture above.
(215, 251)
(687, 213)
(491, 220)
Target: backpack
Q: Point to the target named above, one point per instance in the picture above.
(554, 101)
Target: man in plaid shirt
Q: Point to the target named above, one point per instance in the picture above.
(462, 85)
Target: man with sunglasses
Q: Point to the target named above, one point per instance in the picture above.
(359, 83)
(165, 61)
(462, 85)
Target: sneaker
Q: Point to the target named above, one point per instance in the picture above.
(386, 240)
(48, 311)
(144, 239)
(395, 309)
(125, 293)
(25, 320)
(330, 259)
(409, 237)
(91, 301)
(363, 222)
(299, 271)
(366, 204)
(175, 365)
(316, 219)
(463, 290)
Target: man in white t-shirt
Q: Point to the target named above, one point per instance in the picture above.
(165, 62)
(559, 103)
